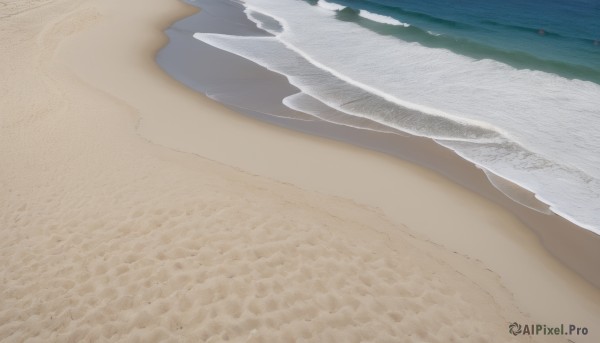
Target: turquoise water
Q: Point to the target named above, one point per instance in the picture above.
(557, 36)
(513, 87)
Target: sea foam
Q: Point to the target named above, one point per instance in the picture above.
(533, 128)
(330, 6)
(381, 18)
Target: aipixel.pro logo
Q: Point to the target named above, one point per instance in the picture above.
(516, 329)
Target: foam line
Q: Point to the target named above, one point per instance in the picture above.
(330, 6)
(381, 18)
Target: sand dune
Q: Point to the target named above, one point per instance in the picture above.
(106, 237)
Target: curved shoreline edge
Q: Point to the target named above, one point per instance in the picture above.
(574, 246)
(107, 236)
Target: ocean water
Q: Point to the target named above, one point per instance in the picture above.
(512, 86)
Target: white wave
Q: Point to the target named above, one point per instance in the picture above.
(304, 103)
(548, 124)
(343, 93)
(568, 192)
(381, 18)
(516, 193)
(330, 6)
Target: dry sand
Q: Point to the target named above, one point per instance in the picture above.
(107, 237)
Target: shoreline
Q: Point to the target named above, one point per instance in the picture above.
(562, 240)
(339, 90)
(574, 246)
(107, 235)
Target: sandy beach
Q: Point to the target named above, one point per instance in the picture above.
(133, 208)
